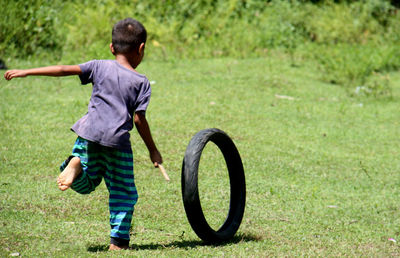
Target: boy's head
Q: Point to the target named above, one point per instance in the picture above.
(127, 36)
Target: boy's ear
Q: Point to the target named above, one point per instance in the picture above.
(141, 49)
(112, 49)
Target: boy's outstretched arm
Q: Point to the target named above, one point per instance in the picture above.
(144, 130)
(55, 70)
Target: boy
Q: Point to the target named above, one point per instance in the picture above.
(120, 97)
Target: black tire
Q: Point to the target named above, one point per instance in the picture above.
(190, 191)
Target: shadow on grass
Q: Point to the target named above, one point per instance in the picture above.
(184, 244)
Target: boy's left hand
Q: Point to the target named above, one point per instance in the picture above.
(8, 75)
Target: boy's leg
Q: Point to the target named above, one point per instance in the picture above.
(123, 195)
(91, 167)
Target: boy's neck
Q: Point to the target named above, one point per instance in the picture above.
(129, 63)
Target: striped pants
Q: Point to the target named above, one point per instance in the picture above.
(116, 167)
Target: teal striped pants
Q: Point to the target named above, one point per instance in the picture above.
(116, 167)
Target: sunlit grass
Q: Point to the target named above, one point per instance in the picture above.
(214, 188)
(321, 167)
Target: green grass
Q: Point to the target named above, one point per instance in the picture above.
(321, 169)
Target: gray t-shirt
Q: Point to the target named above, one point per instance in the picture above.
(117, 94)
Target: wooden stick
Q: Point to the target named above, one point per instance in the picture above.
(164, 173)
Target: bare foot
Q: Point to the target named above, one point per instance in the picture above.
(116, 247)
(67, 177)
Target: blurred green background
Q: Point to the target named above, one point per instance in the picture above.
(353, 43)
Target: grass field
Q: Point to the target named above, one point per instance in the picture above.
(322, 167)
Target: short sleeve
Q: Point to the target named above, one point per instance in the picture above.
(143, 98)
(87, 71)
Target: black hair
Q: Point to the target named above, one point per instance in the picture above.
(127, 35)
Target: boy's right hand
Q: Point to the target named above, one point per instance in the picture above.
(8, 75)
(156, 158)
